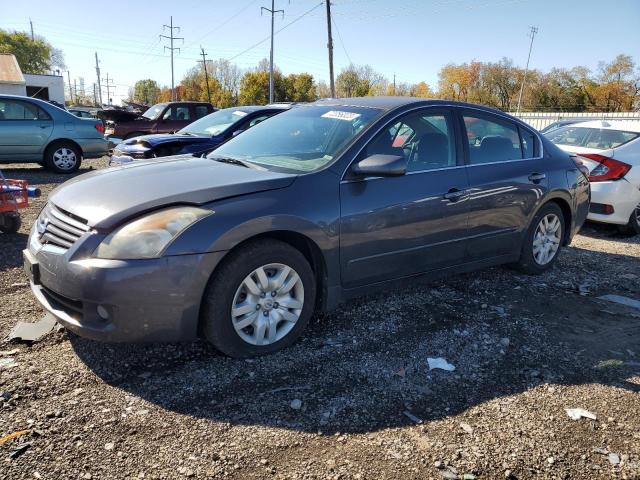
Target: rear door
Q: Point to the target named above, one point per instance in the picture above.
(392, 227)
(507, 179)
(25, 129)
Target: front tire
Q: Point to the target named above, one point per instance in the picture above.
(259, 300)
(63, 157)
(633, 227)
(543, 240)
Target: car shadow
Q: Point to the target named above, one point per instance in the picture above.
(608, 231)
(364, 366)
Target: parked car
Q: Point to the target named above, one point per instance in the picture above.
(197, 138)
(160, 118)
(611, 152)
(310, 208)
(560, 123)
(33, 130)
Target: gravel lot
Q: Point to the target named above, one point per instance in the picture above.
(366, 404)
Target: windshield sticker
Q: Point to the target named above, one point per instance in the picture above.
(240, 113)
(341, 115)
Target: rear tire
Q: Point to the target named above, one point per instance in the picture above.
(543, 240)
(633, 227)
(246, 313)
(10, 223)
(63, 157)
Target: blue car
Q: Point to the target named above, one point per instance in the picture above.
(197, 138)
(33, 130)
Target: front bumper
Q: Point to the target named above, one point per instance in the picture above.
(621, 194)
(145, 300)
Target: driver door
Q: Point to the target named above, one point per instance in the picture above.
(393, 227)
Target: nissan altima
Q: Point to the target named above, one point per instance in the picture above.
(322, 203)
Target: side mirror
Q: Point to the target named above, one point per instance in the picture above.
(381, 166)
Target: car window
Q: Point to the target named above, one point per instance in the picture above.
(425, 139)
(598, 138)
(201, 111)
(257, 120)
(491, 140)
(16, 110)
(180, 112)
(528, 143)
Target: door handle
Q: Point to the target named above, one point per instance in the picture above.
(537, 177)
(454, 194)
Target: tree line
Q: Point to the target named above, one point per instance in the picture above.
(613, 87)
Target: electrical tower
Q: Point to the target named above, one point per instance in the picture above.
(533, 31)
(273, 11)
(206, 74)
(171, 48)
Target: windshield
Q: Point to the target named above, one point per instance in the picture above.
(598, 138)
(303, 139)
(155, 111)
(214, 123)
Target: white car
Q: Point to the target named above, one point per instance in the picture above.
(611, 152)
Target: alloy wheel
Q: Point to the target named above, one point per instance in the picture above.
(64, 158)
(546, 239)
(267, 304)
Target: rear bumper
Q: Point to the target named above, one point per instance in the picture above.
(622, 195)
(93, 147)
(145, 300)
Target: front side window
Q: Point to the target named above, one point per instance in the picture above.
(303, 139)
(177, 113)
(491, 140)
(426, 139)
(16, 110)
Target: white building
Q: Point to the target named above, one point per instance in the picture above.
(14, 82)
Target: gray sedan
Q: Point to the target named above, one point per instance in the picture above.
(32, 130)
(305, 210)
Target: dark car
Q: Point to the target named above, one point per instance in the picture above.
(311, 208)
(197, 138)
(160, 118)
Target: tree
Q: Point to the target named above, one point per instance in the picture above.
(422, 90)
(146, 92)
(33, 56)
(300, 88)
(359, 81)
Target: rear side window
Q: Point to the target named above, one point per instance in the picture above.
(201, 111)
(528, 143)
(598, 138)
(492, 140)
(177, 113)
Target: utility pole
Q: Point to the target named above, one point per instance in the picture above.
(95, 95)
(98, 75)
(394, 83)
(171, 48)
(206, 75)
(32, 36)
(108, 85)
(75, 89)
(330, 47)
(273, 11)
(69, 83)
(533, 31)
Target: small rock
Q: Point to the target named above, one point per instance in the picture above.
(551, 460)
(109, 446)
(296, 404)
(467, 428)
(614, 459)
(87, 476)
(505, 342)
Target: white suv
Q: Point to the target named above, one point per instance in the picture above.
(611, 151)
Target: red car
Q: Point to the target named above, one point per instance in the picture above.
(160, 118)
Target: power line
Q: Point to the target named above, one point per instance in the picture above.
(333, 19)
(171, 48)
(273, 11)
(533, 31)
(219, 26)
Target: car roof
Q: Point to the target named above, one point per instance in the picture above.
(626, 125)
(258, 108)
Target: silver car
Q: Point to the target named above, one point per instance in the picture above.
(33, 130)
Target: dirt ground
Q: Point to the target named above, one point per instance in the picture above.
(366, 404)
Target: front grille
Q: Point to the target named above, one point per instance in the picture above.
(60, 228)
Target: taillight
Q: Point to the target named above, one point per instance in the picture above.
(100, 127)
(609, 169)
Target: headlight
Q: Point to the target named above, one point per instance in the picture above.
(147, 237)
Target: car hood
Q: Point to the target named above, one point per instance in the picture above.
(107, 197)
(159, 139)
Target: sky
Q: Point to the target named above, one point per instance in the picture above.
(412, 39)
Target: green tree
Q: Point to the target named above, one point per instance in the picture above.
(34, 56)
(146, 91)
(299, 88)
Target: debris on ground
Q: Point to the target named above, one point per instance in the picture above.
(19, 451)
(411, 416)
(440, 363)
(578, 413)
(13, 435)
(466, 427)
(33, 332)
(296, 404)
(619, 299)
(614, 458)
